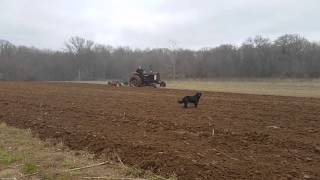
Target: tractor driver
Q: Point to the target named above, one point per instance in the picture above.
(140, 71)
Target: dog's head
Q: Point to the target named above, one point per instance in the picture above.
(198, 94)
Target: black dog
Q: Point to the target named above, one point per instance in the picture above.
(191, 99)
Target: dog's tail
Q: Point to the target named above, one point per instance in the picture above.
(180, 102)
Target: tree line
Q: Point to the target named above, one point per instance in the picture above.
(288, 56)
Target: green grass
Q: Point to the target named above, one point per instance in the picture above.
(284, 87)
(6, 158)
(29, 168)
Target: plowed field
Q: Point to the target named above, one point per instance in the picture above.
(255, 136)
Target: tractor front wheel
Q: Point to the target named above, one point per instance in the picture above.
(162, 84)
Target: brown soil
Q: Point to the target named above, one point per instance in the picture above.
(256, 137)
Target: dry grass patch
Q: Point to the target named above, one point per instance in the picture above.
(23, 156)
(284, 87)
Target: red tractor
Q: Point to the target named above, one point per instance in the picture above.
(140, 79)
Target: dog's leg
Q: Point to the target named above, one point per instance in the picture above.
(185, 104)
(196, 105)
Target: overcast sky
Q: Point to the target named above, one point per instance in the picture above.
(152, 23)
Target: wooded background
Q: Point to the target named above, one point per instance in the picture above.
(289, 56)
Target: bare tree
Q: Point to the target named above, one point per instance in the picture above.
(173, 46)
(79, 47)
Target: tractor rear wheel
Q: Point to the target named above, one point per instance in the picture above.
(135, 81)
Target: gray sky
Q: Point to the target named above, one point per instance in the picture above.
(152, 23)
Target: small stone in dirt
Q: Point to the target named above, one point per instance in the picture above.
(306, 176)
(309, 159)
(273, 127)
